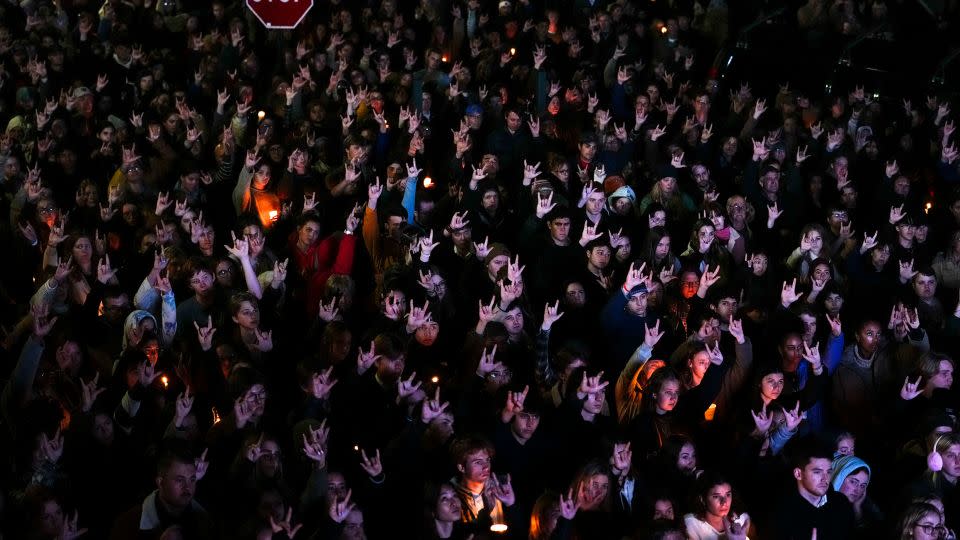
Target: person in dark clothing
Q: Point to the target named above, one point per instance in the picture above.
(812, 506)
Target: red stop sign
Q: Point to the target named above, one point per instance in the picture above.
(280, 14)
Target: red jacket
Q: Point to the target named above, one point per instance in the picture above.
(332, 255)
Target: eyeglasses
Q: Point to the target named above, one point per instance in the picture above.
(259, 397)
(927, 528)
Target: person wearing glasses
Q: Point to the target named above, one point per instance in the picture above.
(921, 521)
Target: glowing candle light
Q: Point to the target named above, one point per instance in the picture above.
(435, 379)
(261, 115)
(428, 182)
(710, 412)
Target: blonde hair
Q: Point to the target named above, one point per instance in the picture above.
(912, 515)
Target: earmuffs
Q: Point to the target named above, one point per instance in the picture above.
(934, 459)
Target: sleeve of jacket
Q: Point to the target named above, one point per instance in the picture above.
(19, 386)
(736, 374)
(241, 192)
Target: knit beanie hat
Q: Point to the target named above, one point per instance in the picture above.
(844, 467)
(496, 250)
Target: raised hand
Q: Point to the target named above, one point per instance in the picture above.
(906, 271)
(482, 249)
(544, 204)
(146, 374)
(315, 446)
(90, 392)
(896, 214)
(530, 172)
(793, 417)
(736, 330)
(407, 389)
(514, 403)
(812, 355)
(418, 316)
(716, 357)
(652, 335)
(371, 464)
(569, 506)
(488, 362)
(285, 526)
(910, 390)
(69, 529)
(762, 420)
(321, 383)
(105, 273)
(709, 278)
(433, 408)
(621, 458)
(589, 234)
(551, 314)
(427, 245)
(634, 277)
(836, 328)
(329, 312)
(592, 385)
(183, 407)
(503, 491)
(788, 294)
(205, 334)
(51, 448)
(254, 451)
(264, 340)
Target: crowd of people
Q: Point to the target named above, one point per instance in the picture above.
(470, 269)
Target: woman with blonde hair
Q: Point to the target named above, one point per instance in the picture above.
(921, 521)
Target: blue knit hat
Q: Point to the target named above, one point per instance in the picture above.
(844, 467)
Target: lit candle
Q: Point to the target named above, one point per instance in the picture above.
(272, 214)
(927, 207)
(434, 379)
(427, 182)
(165, 381)
(216, 415)
(512, 51)
(260, 116)
(663, 29)
(711, 410)
(444, 58)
